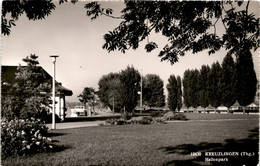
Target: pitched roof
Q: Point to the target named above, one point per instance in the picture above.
(8, 78)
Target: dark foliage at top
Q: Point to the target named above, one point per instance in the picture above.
(34, 10)
(187, 26)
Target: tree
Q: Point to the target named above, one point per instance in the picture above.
(34, 10)
(172, 92)
(153, 91)
(246, 78)
(194, 88)
(110, 91)
(188, 26)
(186, 88)
(129, 78)
(87, 96)
(213, 85)
(179, 93)
(228, 82)
(203, 93)
(95, 101)
(119, 91)
(27, 96)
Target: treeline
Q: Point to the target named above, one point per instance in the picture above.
(217, 85)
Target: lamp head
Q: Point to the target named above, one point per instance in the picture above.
(53, 57)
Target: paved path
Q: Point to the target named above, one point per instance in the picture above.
(69, 125)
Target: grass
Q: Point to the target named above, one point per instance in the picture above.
(213, 116)
(156, 144)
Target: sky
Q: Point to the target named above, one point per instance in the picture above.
(78, 41)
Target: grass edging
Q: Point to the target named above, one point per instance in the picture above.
(93, 118)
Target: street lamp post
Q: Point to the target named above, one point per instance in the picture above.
(141, 95)
(53, 57)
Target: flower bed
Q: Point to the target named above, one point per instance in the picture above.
(145, 119)
(22, 137)
(134, 120)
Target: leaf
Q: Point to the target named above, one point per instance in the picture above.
(150, 46)
(239, 3)
(109, 11)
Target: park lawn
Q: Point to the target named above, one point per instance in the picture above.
(217, 116)
(155, 144)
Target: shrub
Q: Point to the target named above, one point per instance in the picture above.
(146, 120)
(159, 120)
(174, 116)
(110, 121)
(134, 120)
(126, 116)
(120, 122)
(141, 120)
(22, 137)
(114, 122)
(168, 116)
(179, 116)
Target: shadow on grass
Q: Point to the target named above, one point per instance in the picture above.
(249, 145)
(50, 134)
(58, 148)
(56, 145)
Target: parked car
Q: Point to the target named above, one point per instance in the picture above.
(78, 111)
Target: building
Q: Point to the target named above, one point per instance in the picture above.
(8, 78)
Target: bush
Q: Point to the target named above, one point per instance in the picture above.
(160, 120)
(22, 137)
(126, 116)
(174, 116)
(179, 116)
(168, 116)
(141, 120)
(134, 120)
(145, 120)
(114, 122)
